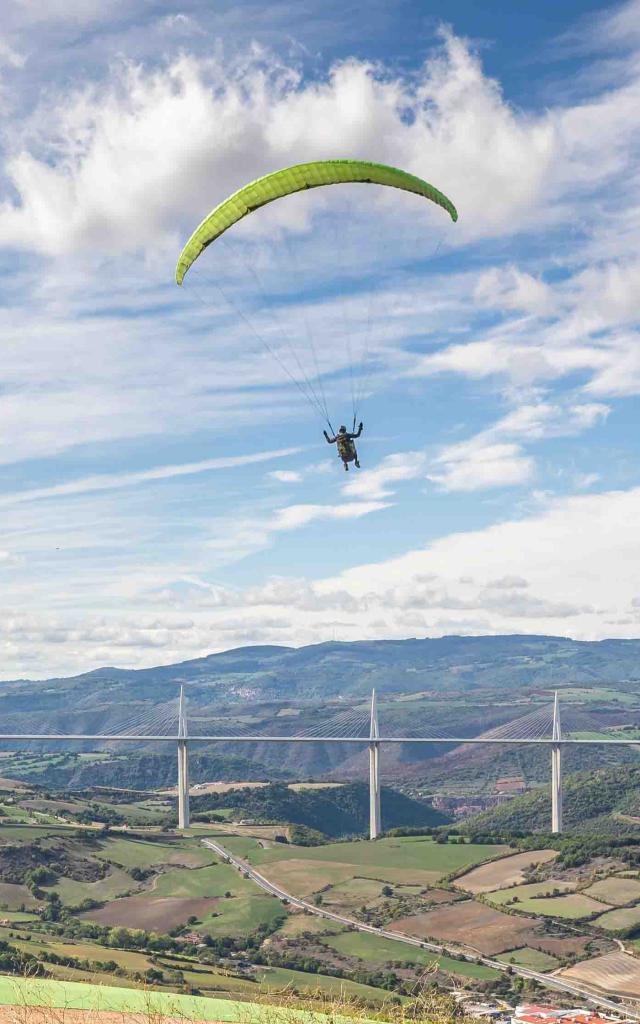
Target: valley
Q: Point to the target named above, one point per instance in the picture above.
(273, 885)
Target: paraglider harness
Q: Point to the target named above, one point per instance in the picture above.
(346, 447)
(344, 443)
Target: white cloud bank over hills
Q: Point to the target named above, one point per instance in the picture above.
(569, 570)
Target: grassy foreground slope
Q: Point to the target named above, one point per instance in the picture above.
(82, 996)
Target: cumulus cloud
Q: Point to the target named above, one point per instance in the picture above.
(513, 289)
(129, 161)
(493, 459)
(476, 464)
(375, 483)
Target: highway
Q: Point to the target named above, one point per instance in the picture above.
(471, 956)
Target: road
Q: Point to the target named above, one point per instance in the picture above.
(549, 981)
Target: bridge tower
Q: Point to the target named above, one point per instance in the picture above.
(556, 770)
(183, 765)
(375, 825)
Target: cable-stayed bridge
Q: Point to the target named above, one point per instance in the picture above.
(358, 725)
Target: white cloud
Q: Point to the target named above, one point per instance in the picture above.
(374, 483)
(285, 476)
(477, 464)
(294, 516)
(508, 583)
(129, 162)
(513, 289)
(113, 481)
(9, 56)
(569, 569)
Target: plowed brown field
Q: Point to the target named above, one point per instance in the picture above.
(501, 874)
(471, 924)
(561, 947)
(615, 973)
(153, 913)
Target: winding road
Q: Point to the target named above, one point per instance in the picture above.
(549, 981)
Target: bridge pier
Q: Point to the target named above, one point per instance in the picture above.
(375, 823)
(183, 767)
(556, 770)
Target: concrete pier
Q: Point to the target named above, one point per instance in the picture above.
(375, 824)
(183, 766)
(556, 770)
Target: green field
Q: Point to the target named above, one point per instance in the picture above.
(620, 918)
(410, 852)
(377, 950)
(618, 891)
(36, 944)
(213, 880)
(283, 977)
(115, 883)
(132, 852)
(535, 959)
(596, 694)
(25, 833)
(83, 996)
(242, 915)
(521, 893)
(19, 916)
(298, 924)
(573, 907)
(13, 896)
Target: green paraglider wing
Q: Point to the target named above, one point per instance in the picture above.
(296, 179)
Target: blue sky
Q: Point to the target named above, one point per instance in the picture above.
(165, 488)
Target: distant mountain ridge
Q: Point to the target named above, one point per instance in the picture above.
(353, 668)
(459, 685)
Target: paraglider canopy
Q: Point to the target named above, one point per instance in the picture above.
(295, 179)
(292, 309)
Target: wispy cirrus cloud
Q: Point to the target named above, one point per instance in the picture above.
(114, 481)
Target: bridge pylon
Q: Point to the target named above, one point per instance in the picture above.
(183, 765)
(556, 769)
(375, 823)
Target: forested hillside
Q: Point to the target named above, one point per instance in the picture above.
(339, 811)
(594, 801)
